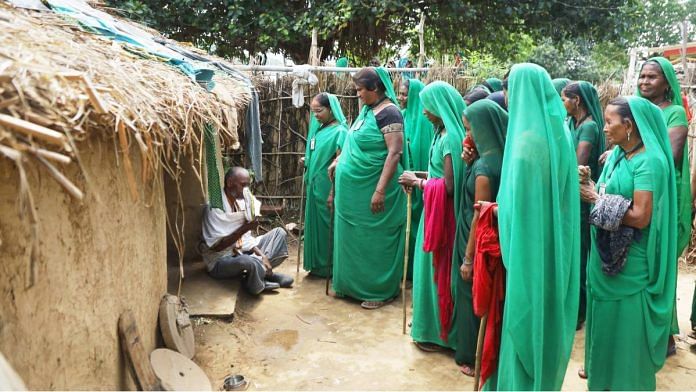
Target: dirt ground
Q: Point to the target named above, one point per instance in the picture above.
(301, 339)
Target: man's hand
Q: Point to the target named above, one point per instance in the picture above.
(267, 265)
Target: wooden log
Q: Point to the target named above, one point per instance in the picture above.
(31, 129)
(135, 353)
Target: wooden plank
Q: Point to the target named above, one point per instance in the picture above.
(135, 353)
(204, 295)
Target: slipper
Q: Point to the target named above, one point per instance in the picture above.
(429, 347)
(467, 370)
(582, 374)
(692, 334)
(371, 305)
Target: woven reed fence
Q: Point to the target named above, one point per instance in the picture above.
(284, 129)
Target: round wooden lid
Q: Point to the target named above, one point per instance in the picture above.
(176, 326)
(177, 372)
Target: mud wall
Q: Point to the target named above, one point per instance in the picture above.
(96, 258)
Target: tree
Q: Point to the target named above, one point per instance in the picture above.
(363, 28)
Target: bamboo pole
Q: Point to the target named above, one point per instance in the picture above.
(406, 246)
(479, 351)
(31, 129)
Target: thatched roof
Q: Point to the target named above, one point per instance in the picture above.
(60, 84)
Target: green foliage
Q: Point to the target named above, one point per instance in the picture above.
(660, 20)
(362, 29)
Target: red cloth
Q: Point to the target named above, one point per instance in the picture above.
(439, 228)
(489, 287)
(685, 103)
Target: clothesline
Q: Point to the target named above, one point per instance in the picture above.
(274, 68)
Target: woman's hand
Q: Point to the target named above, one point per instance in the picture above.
(469, 155)
(467, 270)
(604, 156)
(332, 170)
(409, 179)
(588, 193)
(377, 203)
(480, 204)
(584, 172)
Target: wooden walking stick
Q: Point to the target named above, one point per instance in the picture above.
(479, 351)
(408, 236)
(300, 233)
(329, 274)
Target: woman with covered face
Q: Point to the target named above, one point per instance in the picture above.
(370, 205)
(631, 274)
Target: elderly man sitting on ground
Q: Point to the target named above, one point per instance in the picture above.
(231, 250)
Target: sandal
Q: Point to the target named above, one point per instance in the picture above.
(467, 370)
(582, 373)
(371, 305)
(429, 347)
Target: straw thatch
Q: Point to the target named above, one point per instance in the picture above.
(60, 85)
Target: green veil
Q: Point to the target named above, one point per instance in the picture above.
(683, 175)
(388, 84)
(674, 94)
(492, 121)
(314, 124)
(495, 83)
(539, 216)
(418, 130)
(559, 84)
(590, 98)
(444, 101)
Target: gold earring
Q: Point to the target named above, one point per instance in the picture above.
(629, 136)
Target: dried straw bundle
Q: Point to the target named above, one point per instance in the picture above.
(60, 85)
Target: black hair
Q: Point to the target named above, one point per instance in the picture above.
(624, 110)
(486, 85)
(572, 90)
(369, 79)
(476, 94)
(505, 79)
(406, 82)
(323, 100)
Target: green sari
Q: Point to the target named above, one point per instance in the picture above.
(444, 101)
(418, 132)
(675, 116)
(368, 248)
(322, 143)
(589, 131)
(488, 128)
(629, 314)
(539, 220)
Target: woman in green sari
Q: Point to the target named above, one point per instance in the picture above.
(443, 106)
(486, 123)
(658, 83)
(539, 221)
(630, 310)
(419, 135)
(327, 130)
(585, 123)
(370, 205)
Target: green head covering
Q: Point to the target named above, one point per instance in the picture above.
(488, 127)
(539, 221)
(417, 129)
(661, 252)
(444, 101)
(388, 84)
(590, 98)
(674, 93)
(342, 62)
(559, 84)
(495, 84)
(337, 113)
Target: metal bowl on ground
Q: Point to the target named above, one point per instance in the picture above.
(235, 382)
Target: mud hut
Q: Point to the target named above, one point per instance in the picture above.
(89, 127)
